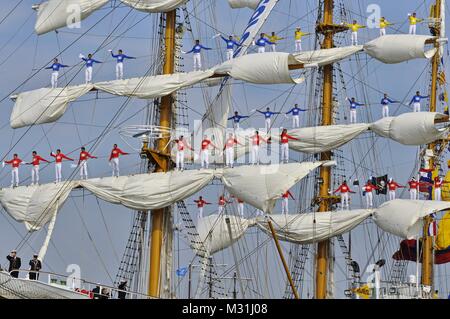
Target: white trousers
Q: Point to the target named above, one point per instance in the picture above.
(15, 176)
(385, 111)
(437, 194)
(285, 152)
(119, 71)
(344, 201)
(58, 172)
(298, 45)
(180, 160)
(88, 74)
(220, 211)
(285, 206)
(241, 209)
(268, 124)
(416, 107)
(204, 157)
(236, 126)
(295, 121)
(200, 213)
(230, 53)
(369, 199)
(115, 166)
(83, 169)
(54, 80)
(354, 38)
(229, 156)
(261, 49)
(255, 154)
(413, 194)
(274, 48)
(35, 174)
(412, 29)
(382, 32)
(197, 61)
(391, 195)
(352, 116)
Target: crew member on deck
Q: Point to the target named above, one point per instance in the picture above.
(268, 117)
(236, 118)
(120, 57)
(392, 186)
(56, 66)
(181, 146)
(353, 109)
(222, 202)
(82, 161)
(200, 204)
(415, 101)
(204, 152)
(35, 267)
(385, 101)
(197, 49)
(15, 163)
(14, 264)
(256, 142)
(35, 169)
(114, 159)
(285, 137)
(285, 202)
(295, 111)
(229, 150)
(261, 43)
(298, 35)
(231, 43)
(59, 157)
(89, 66)
(344, 190)
(368, 190)
(274, 39)
(354, 27)
(413, 19)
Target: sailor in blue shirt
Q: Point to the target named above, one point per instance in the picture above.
(416, 101)
(89, 64)
(385, 101)
(295, 115)
(55, 74)
(268, 116)
(236, 118)
(120, 57)
(197, 49)
(230, 46)
(261, 43)
(353, 106)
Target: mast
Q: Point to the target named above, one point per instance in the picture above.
(427, 243)
(160, 157)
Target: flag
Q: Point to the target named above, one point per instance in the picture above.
(432, 229)
(181, 272)
(381, 183)
(426, 177)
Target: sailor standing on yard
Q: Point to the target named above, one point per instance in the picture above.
(204, 152)
(256, 141)
(295, 111)
(120, 57)
(353, 109)
(285, 202)
(414, 188)
(231, 43)
(82, 161)
(383, 25)
(274, 39)
(56, 66)
(114, 159)
(438, 187)
(35, 169)
(268, 117)
(415, 101)
(15, 163)
(58, 164)
(385, 101)
(196, 50)
(261, 43)
(368, 190)
(222, 202)
(236, 118)
(413, 19)
(344, 190)
(229, 150)
(392, 186)
(200, 205)
(285, 137)
(181, 145)
(354, 27)
(89, 66)
(298, 35)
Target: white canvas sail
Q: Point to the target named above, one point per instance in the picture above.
(55, 14)
(154, 6)
(238, 4)
(325, 56)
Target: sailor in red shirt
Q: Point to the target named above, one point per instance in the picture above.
(35, 169)
(200, 204)
(229, 150)
(59, 157)
(437, 187)
(204, 152)
(15, 163)
(392, 186)
(414, 188)
(344, 190)
(181, 146)
(368, 190)
(84, 156)
(256, 141)
(285, 137)
(222, 203)
(114, 159)
(285, 202)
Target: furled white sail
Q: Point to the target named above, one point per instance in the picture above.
(55, 14)
(154, 6)
(238, 4)
(35, 206)
(397, 48)
(313, 227)
(267, 68)
(404, 218)
(149, 191)
(325, 56)
(44, 105)
(411, 128)
(261, 186)
(214, 234)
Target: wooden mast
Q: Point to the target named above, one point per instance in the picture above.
(160, 157)
(427, 244)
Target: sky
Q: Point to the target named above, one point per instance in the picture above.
(92, 233)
